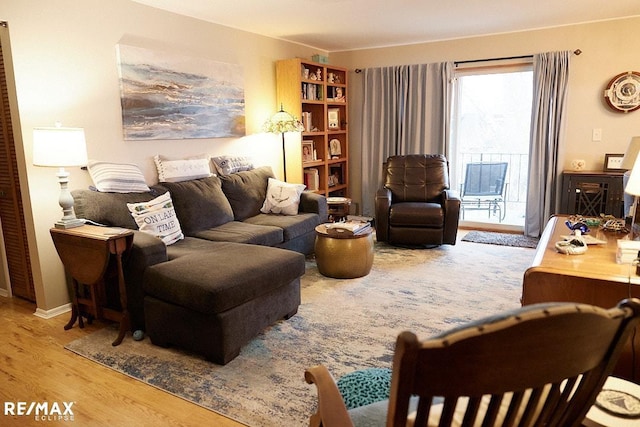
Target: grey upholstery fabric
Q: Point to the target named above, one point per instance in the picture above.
(246, 191)
(212, 292)
(213, 282)
(292, 225)
(243, 232)
(146, 250)
(219, 336)
(109, 208)
(199, 204)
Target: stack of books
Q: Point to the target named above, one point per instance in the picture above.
(627, 251)
(348, 227)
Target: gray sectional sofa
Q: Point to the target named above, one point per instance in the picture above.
(236, 271)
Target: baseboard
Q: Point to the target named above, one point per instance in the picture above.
(48, 314)
(4, 293)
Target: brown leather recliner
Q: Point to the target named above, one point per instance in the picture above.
(415, 207)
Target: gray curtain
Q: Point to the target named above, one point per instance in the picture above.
(405, 110)
(550, 81)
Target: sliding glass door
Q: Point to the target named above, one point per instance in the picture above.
(490, 142)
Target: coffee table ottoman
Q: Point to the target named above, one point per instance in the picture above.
(345, 256)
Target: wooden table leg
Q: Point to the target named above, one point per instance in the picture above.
(125, 322)
(75, 310)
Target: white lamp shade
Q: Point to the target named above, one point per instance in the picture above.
(631, 154)
(59, 147)
(633, 185)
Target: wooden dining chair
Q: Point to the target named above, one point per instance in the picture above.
(542, 364)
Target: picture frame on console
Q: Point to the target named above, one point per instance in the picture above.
(613, 163)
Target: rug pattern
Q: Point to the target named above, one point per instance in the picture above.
(343, 324)
(503, 239)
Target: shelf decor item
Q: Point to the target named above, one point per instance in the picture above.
(333, 116)
(283, 122)
(613, 162)
(623, 92)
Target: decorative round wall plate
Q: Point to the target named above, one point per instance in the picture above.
(619, 403)
(623, 92)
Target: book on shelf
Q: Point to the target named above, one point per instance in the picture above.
(306, 121)
(311, 92)
(312, 179)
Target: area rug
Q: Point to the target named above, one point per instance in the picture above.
(503, 239)
(344, 324)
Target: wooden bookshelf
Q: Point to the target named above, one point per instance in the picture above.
(316, 94)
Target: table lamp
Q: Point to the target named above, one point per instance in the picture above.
(282, 122)
(61, 147)
(633, 187)
(628, 161)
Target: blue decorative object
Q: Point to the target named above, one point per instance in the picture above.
(579, 225)
(366, 386)
(138, 335)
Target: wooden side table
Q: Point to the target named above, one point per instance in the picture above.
(338, 208)
(92, 256)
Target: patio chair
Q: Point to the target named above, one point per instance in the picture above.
(542, 364)
(485, 188)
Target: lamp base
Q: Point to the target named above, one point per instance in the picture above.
(69, 223)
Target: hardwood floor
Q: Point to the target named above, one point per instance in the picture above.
(34, 366)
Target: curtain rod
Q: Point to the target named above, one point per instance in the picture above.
(575, 52)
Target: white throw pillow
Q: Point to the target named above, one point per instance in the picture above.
(181, 170)
(117, 177)
(158, 217)
(282, 197)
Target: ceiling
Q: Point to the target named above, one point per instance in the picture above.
(337, 25)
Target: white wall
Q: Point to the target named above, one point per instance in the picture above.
(608, 48)
(64, 59)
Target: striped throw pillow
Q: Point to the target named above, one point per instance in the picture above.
(117, 177)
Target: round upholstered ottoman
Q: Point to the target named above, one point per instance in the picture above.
(344, 256)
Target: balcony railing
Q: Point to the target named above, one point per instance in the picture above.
(516, 180)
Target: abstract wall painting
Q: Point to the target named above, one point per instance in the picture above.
(171, 96)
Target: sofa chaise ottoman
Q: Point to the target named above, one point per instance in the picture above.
(214, 301)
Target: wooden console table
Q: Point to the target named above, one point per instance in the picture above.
(93, 258)
(592, 278)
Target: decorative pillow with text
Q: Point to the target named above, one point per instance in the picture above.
(181, 170)
(158, 217)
